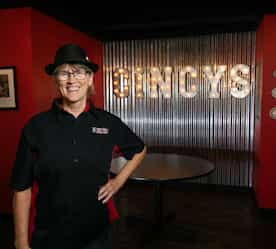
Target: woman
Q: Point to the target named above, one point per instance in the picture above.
(67, 151)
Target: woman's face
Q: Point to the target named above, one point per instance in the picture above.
(73, 82)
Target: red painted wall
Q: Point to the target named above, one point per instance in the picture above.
(265, 135)
(29, 40)
(259, 81)
(15, 50)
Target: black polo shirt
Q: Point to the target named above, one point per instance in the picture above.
(69, 158)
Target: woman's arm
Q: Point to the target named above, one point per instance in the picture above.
(21, 212)
(113, 185)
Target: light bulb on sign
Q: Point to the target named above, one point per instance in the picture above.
(164, 84)
(240, 84)
(214, 78)
(139, 84)
(120, 81)
(188, 70)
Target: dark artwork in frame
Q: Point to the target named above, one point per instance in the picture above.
(8, 91)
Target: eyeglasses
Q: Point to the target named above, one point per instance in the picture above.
(65, 75)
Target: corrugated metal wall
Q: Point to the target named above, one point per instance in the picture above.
(219, 129)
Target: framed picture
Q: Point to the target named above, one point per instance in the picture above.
(8, 96)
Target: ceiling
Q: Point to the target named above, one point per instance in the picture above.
(137, 21)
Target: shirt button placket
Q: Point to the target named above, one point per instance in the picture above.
(74, 141)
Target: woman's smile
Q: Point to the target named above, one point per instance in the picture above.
(73, 88)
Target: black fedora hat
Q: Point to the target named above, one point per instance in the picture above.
(71, 54)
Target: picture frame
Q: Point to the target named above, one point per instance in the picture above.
(8, 91)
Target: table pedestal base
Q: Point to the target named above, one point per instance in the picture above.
(152, 228)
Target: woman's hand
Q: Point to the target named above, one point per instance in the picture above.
(109, 189)
(113, 185)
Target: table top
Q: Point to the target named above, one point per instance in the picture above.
(166, 167)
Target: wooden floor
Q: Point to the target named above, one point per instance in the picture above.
(206, 217)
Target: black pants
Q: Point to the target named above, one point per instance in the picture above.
(103, 241)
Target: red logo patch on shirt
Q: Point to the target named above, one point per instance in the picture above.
(99, 130)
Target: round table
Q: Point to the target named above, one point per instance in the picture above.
(160, 168)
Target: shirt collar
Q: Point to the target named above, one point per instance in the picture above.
(57, 108)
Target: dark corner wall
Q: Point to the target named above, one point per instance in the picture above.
(28, 42)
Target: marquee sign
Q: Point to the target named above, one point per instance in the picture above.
(185, 78)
